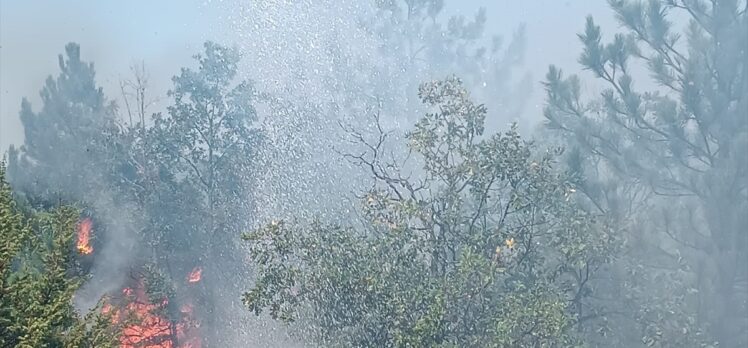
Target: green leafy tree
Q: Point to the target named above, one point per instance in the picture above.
(208, 135)
(373, 56)
(669, 162)
(481, 246)
(204, 147)
(38, 277)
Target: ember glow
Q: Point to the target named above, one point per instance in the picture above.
(84, 236)
(195, 275)
(146, 324)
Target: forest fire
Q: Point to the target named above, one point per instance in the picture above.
(195, 275)
(146, 323)
(84, 236)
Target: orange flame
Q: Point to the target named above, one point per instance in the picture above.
(84, 236)
(146, 326)
(195, 275)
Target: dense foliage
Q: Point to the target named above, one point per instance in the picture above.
(485, 248)
(168, 190)
(669, 163)
(75, 119)
(38, 278)
(196, 162)
(622, 226)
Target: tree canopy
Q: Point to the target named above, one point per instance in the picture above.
(485, 248)
(621, 222)
(39, 276)
(668, 161)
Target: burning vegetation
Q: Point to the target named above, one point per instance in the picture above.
(146, 310)
(195, 275)
(620, 223)
(83, 244)
(149, 317)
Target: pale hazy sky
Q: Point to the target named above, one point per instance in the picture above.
(165, 34)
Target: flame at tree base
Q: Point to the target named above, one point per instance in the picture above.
(145, 324)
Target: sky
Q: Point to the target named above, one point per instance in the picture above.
(165, 34)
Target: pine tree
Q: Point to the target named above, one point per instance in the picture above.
(38, 278)
(671, 160)
(70, 144)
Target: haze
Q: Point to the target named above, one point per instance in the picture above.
(374, 173)
(165, 34)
